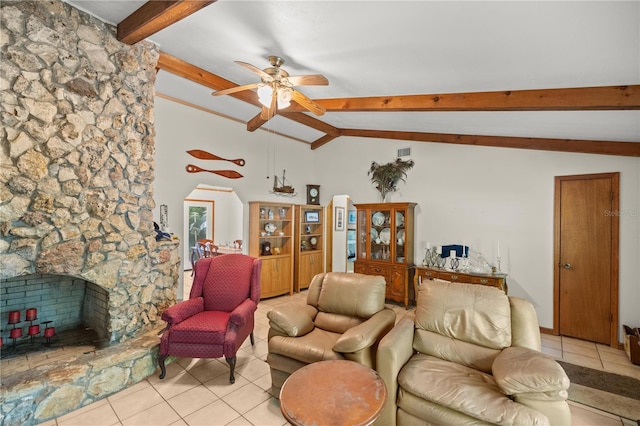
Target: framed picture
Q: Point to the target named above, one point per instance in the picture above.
(339, 218)
(198, 225)
(352, 217)
(312, 216)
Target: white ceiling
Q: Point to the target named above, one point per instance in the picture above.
(374, 48)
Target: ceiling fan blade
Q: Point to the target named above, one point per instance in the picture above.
(266, 77)
(307, 103)
(308, 80)
(235, 89)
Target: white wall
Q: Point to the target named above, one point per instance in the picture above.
(180, 128)
(481, 195)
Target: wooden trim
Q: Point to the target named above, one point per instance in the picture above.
(207, 110)
(631, 149)
(556, 254)
(615, 255)
(156, 15)
(571, 99)
(544, 330)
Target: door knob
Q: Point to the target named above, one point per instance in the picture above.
(567, 266)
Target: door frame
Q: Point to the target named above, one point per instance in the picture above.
(615, 247)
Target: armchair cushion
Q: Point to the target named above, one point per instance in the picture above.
(462, 389)
(523, 370)
(207, 327)
(183, 310)
(311, 347)
(293, 320)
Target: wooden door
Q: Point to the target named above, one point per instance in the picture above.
(586, 257)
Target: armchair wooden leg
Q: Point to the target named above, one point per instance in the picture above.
(251, 338)
(163, 369)
(232, 368)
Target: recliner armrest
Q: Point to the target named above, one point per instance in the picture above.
(183, 310)
(519, 370)
(292, 319)
(364, 335)
(242, 312)
(394, 350)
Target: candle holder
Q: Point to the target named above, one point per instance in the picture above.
(455, 263)
(14, 317)
(31, 314)
(49, 332)
(440, 261)
(499, 271)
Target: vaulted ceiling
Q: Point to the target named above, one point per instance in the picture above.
(559, 76)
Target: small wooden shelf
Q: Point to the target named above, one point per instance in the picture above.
(277, 268)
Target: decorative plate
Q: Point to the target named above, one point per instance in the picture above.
(377, 219)
(270, 228)
(399, 219)
(374, 234)
(385, 235)
(313, 241)
(400, 237)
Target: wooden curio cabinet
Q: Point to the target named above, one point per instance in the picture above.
(384, 246)
(309, 245)
(271, 235)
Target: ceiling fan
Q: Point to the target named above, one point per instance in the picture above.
(276, 90)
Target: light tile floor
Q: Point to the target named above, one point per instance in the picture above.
(198, 392)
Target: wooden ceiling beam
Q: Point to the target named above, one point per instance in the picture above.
(156, 15)
(323, 140)
(631, 149)
(572, 99)
(609, 97)
(198, 75)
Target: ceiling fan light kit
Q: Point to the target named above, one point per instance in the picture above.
(276, 91)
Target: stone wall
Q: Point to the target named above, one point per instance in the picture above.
(76, 162)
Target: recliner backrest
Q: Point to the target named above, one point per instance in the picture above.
(223, 281)
(345, 300)
(464, 323)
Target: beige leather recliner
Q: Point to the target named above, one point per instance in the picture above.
(344, 318)
(470, 356)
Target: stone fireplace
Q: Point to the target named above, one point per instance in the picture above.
(76, 195)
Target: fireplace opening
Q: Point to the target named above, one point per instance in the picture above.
(47, 312)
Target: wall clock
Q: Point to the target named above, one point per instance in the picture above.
(313, 194)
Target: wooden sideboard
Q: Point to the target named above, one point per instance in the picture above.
(424, 273)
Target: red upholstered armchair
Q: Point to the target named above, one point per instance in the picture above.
(219, 314)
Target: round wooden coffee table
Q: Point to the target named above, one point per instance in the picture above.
(333, 393)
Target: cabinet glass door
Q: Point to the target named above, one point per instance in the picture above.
(400, 237)
(361, 238)
(381, 235)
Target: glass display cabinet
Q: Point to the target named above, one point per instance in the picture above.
(384, 246)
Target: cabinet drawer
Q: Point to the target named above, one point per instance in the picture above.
(485, 281)
(454, 277)
(429, 275)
